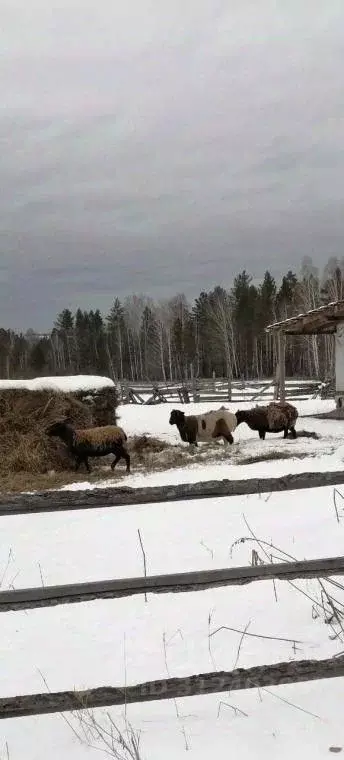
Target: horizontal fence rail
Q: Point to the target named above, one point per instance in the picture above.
(172, 688)
(213, 389)
(61, 501)
(199, 580)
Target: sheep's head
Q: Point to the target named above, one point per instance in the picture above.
(58, 429)
(177, 417)
(241, 416)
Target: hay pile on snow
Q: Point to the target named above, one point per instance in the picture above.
(25, 415)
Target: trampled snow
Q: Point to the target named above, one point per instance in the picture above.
(113, 642)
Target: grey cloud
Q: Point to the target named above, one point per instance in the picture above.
(163, 147)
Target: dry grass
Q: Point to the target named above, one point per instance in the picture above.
(148, 455)
(273, 456)
(24, 417)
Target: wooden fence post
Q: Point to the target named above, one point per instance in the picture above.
(281, 362)
(125, 392)
(194, 388)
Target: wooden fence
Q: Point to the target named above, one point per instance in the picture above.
(169, 688)
(215, 390)
(176, 583)
(172, 688)
(101, 498)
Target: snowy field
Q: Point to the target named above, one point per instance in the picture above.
(113, 642)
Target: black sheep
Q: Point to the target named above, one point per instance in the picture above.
(273, 418)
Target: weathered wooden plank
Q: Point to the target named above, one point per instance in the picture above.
(199, 580)
(61, 501)
(172, 688)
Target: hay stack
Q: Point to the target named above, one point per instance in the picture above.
(24, 416)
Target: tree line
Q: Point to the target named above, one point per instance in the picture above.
(222, 331)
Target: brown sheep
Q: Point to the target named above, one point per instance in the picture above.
(92, 442)
(273, 418)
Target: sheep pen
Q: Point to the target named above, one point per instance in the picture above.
(30, 460)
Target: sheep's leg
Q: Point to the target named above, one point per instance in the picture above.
(285, 433)
(293, 432)
(78, 461)
(262, 434)
(122, 454)
(126, 457)
(115, 461)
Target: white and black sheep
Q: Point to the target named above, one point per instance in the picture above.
(92, 442)
(272, 418)
(204, 427)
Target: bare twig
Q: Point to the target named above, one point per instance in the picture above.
(260, 543)
(179, 717)
(330, 599)
(62, 715)
(178, 632)
(209, 641)
(9, 558)
(165, 653)
(167, 670)
(335, 493)
(275, 587)
(11, 584)
(207, 549)
(185, 739)
(236, 710)
(144, 558)
(125, 674)
(291, 704)
(240, 644)
(121, 745)
(255, 635)
(255, 559)
(41, 574)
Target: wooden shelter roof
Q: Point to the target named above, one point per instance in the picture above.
(319, 321)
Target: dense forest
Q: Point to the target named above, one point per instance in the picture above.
(221, 331)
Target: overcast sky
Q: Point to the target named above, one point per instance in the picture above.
(163, 145)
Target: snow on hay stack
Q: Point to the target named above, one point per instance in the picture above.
(27, 407)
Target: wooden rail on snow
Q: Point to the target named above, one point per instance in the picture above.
(199, 580)
(172, 688)
(61, 501)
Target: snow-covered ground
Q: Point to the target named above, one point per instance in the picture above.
(127, 640)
